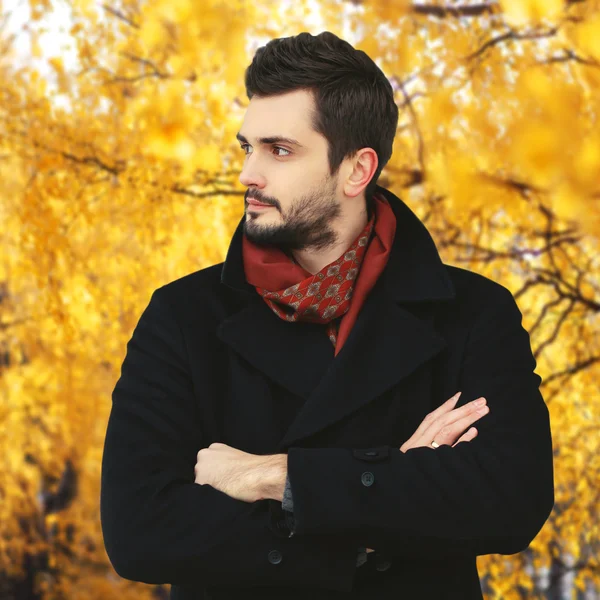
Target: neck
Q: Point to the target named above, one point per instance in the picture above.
(314, 260)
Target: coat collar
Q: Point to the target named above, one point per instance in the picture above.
(393, 335)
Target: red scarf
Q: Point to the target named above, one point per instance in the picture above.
(337, 292)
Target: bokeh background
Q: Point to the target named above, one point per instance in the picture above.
(119, 173)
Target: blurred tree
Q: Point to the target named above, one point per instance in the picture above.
(119, 167)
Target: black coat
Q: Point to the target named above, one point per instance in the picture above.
(210, 362)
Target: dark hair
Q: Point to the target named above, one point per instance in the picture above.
(354, 101)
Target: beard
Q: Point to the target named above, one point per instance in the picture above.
(305, 224)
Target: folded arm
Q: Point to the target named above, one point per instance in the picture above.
(488, 495)
(161, 527)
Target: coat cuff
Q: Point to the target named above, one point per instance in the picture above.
(288, 506)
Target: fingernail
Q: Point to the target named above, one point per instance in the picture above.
(480, 402)
(457, 395)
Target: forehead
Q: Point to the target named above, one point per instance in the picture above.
(286, 115)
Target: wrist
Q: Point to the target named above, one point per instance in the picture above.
(272, 481)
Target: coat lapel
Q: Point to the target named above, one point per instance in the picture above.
(393, 335)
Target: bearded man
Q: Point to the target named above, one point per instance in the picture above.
(332, 412)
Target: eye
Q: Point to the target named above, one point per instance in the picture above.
(245, 146)
(284, 149)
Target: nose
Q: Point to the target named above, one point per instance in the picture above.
(249, 175)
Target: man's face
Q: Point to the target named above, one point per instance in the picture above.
(303, 199)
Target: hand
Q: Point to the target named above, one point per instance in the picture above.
(444, 424)
(231, 471)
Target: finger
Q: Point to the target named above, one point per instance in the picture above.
(445, 406)
(467, 437)
(448, 433)
(469, 419)
(465, 411)
(432, 416)
(463, 417)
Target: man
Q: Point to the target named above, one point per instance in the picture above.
(281, 427)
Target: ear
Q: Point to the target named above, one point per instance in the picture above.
(364, 165)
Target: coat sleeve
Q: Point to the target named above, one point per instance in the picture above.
(288, 507)
(159, 526)
(490, 495)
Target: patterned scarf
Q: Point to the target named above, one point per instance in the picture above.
(334, 295)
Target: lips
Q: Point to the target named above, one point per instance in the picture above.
(256, 202)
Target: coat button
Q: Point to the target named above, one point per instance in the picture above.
(275, 557)
(383, 565)
(367, 478)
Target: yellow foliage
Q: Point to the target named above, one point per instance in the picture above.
(522, 12)
(587, 36)
(386, 10)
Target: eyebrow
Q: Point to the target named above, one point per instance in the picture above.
(274, 139)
